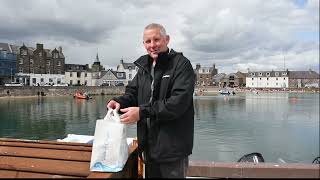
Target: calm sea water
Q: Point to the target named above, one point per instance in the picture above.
(280, 126)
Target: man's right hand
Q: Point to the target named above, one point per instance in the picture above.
(113, 105)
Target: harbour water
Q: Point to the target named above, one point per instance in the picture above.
(283, 127)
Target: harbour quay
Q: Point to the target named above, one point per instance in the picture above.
(59, 90)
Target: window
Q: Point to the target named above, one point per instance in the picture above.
(50, 80)
(41, 80)
(4, 54)
(31, 70)
(59, 81)
(20, 70)
(85, 74)
(253, 74)
(284, 78)
(267, 79)
(284, 73)
(20, 61)
(34, 80)
(40, 54)
(268, 74)
(276, 74)
(252, 79)
(59, 63)
(55, 55)
(31, 61)
(130, 76)
(260, 78)
(119, 74)
(260, 74)
(71, 75)
(48, 71)
(48, 63)
(24, 52)
(70, 82)
(85, 82)
(78, 75)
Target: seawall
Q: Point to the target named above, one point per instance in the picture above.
(60, 91)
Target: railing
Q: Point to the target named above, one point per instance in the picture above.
(252, 170)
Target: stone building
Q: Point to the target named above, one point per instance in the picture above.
(96, 66)
(204, 75)
(300, 79)
(40, 60)
(237, 79)
(39, 66)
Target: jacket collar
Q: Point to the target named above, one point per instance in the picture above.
(145, 61)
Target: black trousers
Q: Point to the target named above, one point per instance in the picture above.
(175, 169)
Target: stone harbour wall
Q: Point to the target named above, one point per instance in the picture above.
(60, 91)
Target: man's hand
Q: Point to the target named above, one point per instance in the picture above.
(130, 116)
(113, 105)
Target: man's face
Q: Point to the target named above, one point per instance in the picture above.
(154, 42)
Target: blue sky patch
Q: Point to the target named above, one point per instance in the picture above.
(300, 3)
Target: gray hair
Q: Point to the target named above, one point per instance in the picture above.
(157, 26)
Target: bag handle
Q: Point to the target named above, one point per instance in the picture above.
(112, 113)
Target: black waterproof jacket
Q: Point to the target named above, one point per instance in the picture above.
(166, 126)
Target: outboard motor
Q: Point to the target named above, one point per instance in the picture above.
(252, 157)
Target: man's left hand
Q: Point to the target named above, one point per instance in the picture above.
(130, 116)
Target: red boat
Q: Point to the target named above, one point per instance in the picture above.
(80, 95)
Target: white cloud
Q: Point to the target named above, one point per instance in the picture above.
(232, 34)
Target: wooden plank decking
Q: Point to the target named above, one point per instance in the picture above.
(50, 159)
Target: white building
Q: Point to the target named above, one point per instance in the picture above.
(78, 78)
(41, 79)
(130, 69)
(268, 79)
(77, 74)
(111, 78)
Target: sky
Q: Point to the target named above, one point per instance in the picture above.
(235, 35)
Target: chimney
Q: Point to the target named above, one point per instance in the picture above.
(60, 49)
(121, 61)
(198, 66)
(39, 46)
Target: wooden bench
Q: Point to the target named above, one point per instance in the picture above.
(51, 159)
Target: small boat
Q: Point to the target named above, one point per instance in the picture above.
(224, 91)
(80, 95)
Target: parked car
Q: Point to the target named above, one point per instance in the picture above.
(60, 85)
(14, 84)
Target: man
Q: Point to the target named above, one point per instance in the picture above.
(160, 100)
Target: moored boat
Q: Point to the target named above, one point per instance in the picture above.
(80, 95)
(224, 91)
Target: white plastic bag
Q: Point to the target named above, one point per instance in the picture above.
(110, 148)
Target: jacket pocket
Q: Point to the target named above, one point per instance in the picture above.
(165, 81)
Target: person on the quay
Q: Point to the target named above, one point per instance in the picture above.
(160, 100)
